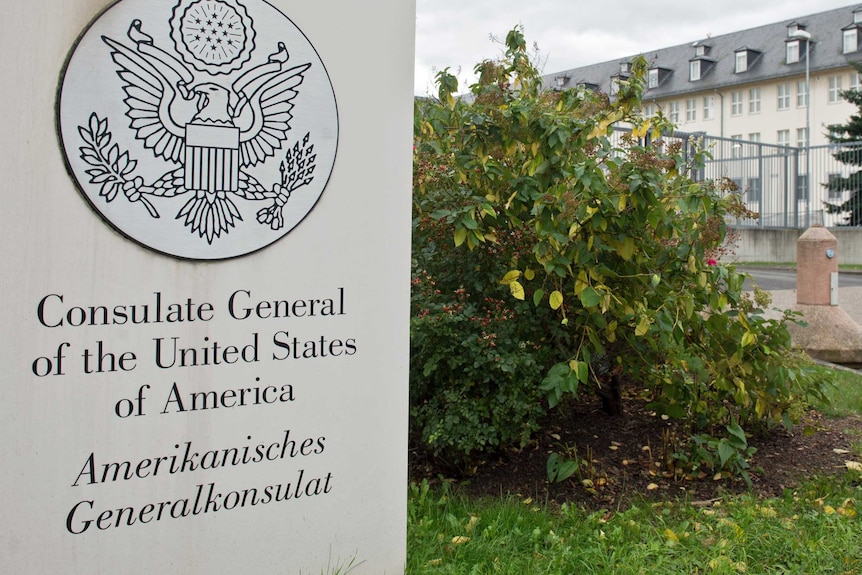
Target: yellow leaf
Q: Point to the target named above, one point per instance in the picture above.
(760, 406)
(510, 277)
(671, 536)
(556, 299)
(460, 540)
(652, 487)
(828, 510)
(529, 275)
(853, 466)
(748, 338)
(471, 524)
(517, 290)
(643, 327)
(621, 204)
(627, 249)
(460, 236)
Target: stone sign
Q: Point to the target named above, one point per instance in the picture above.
(206, 271)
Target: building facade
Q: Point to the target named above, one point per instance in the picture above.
(749, 85)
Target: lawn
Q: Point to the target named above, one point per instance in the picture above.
(807, 522)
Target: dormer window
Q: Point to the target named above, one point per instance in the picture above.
(694, 70)
(857, 16)
(625, 68)
(850, 41)
(741, 62)
(792, 52)
(745, 59)
(657, 76)
(701, 50)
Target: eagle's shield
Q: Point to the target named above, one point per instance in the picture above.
(212, 158)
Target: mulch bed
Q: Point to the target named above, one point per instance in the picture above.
(629, 455)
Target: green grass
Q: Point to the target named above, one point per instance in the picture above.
(814, 529)
(845, 396)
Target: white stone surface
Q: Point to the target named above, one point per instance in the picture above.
(353, 249)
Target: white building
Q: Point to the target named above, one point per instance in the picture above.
(750, 84)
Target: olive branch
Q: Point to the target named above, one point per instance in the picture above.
(297, 170)
(110, 168)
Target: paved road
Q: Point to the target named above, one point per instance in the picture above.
(782, 285)
(774, 279)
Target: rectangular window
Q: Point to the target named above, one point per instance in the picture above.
(834, 187)
(834, 89)
(854, 81)
(649, 110)
(801, 187)
(801, 94)
(850, 43)
(736, 146)
(801, 137)
(783, 137)
(673, 112)
(694, 70)
(615, 86)
(736, 103)
(792, 52)
(690, 110)
(754, 190)
(754, 101)
(708, 107)
(741, 62)
(754, 148)
(653, 79)
(783, 96)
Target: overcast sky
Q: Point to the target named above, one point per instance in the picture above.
(571, 33)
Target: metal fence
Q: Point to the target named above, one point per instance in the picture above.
(787, 186)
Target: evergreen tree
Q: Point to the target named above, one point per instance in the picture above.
(846, 135)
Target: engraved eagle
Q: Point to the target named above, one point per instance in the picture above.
(213, 131)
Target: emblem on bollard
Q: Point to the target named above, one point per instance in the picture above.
(203, 129)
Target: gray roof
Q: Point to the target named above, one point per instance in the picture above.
(769, 40)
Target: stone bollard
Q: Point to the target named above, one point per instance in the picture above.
(830, 334)
(816, 261)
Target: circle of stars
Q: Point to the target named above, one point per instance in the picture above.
(213, 32)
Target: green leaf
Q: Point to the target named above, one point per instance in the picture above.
(735, 430)
(556, 299)
(725, 451)
(537, 296)
(560, 469)
(590, 297)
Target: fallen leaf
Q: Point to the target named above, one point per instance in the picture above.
(840, 451)
(652, 487)
(460, 540)
(853, 465)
